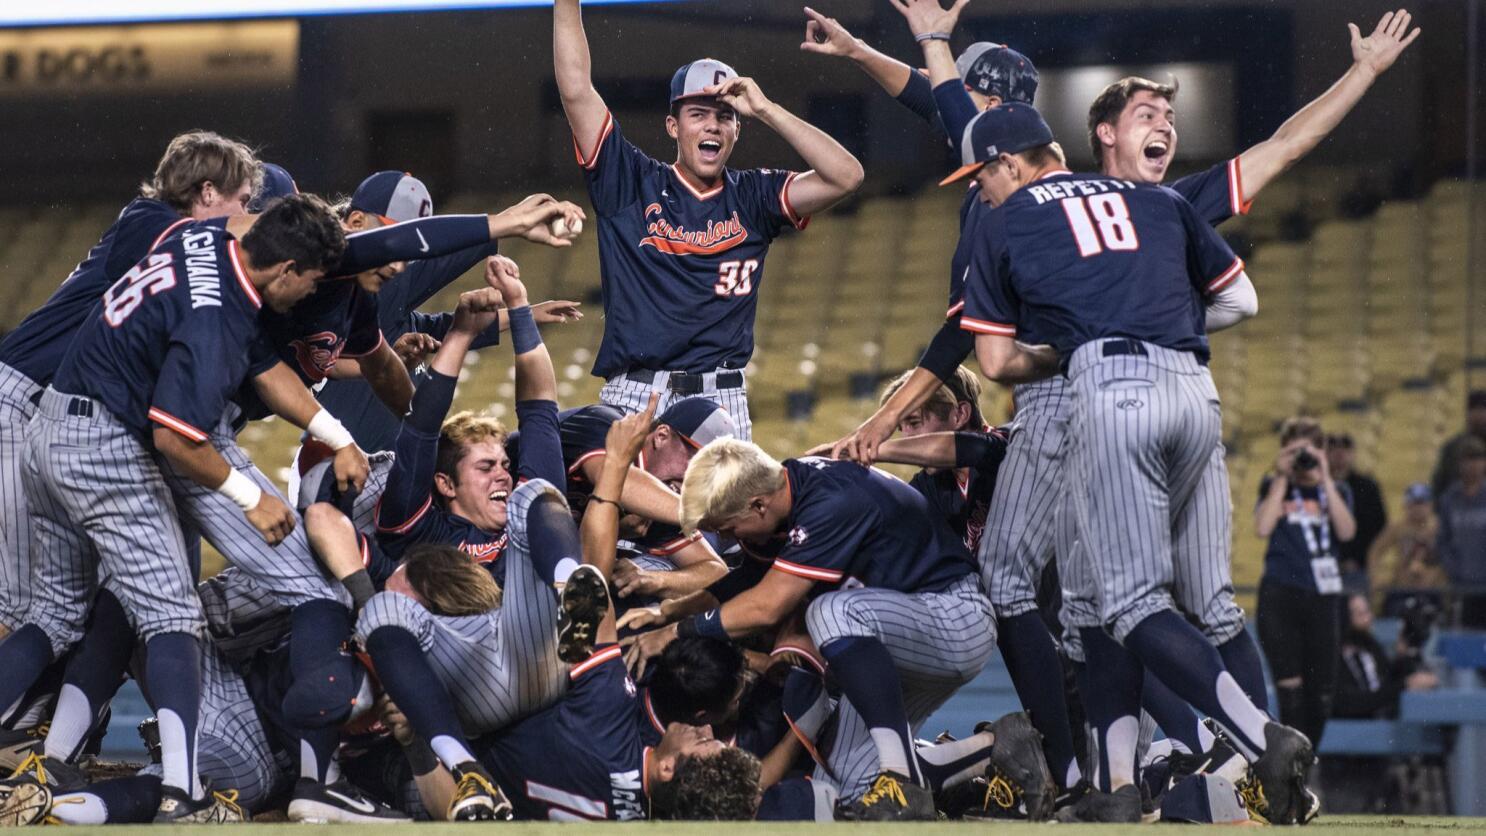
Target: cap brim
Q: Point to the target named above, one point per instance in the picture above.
(962, 172)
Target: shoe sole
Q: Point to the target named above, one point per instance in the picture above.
(1021, 737)
(26, 804)
(1290, 778)
(310, 811)
(584, 603)
(474, 812)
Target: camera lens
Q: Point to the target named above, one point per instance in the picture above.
(1305, 460)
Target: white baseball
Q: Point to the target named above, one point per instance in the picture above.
(560, 228)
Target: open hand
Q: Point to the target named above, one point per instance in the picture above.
(925, 16)
(1378, 51)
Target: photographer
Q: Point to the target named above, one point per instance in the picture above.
(1462, 533)
(1304, 514)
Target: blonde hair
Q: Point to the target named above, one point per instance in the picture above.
(461, 431)
(197, 157)
(961, 387)
(450, 582)
(720, 480)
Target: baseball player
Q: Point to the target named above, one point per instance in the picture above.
(166, 347)
(908, 629)
(1112, 273)
(682, 246)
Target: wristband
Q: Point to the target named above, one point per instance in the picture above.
(241, 490)
(524, 334)
(325, 428)
(707, 624)
(932, 36)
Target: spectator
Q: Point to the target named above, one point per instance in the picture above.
(1462, 532)
(1405, 553)
(1368, 688)
(1447, 469)
(1304, 514)
(1367, 509)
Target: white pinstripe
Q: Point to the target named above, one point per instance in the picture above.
(500, 665)
(625, 394)
(16, 409)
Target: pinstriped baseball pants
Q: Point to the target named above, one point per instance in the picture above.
(622, 393)
(497, 666)
(100, 505)
(938, 642)
(16, 410)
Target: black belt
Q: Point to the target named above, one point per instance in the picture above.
(80, 407)
(686, 383)
(1128, 347)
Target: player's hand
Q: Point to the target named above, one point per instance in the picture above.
(861, 446)
(627, 435)
(631, 581)
(273, 519)
(350, 468)
(826, 36)
(504, 275)
(530, 217)
(646, 646)
(742, 95)
(641, 618)
(395, 721)
(1378, 51)
(924, 16)
(557, 311)
(477, 310)
(413, 348)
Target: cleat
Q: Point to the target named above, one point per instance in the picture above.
(581, 607)
(176, 807)
(25, 804)
(318, 803)
(56, 774)
(1018, 771)
(1072, 795)
(149, 735)
(1124, 805)
(892, 797)
(476, 797)
(1275, 789)
(16, 744)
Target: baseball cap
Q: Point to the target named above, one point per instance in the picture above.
(394, 196)
(1204, 799)
(698, 420)
(693, 79)
(277, 183)
(1417, 493)
(1004, 129)
(998, 70)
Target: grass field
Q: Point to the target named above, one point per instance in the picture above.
(1326, 826)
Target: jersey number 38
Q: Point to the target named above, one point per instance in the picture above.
(152, 276)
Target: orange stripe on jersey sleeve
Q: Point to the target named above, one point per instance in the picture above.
(171, 422)
(981, 326)
(604, 131)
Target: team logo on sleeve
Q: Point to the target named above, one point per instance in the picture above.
(719, 236)
(798, 535)
(317, 353)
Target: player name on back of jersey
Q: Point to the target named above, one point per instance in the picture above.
(1060, 189)
(203, 273)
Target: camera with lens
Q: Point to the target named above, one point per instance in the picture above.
(1306, 460)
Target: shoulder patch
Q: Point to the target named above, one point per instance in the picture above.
(798, 535)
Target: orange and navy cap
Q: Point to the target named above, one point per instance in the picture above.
(693, 79)
(699, 421)
(1004, 129)
(394, 196)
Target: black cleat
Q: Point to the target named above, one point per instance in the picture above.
(56, 774)
(149, 735)
(892, 797)
(580, 609)
(17, 744)
(176, 807)
(1121, 806)
(318, 803)
(476, 797)
(1276, 787)
(1019, 767)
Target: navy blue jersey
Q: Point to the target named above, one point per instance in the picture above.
(680, 266)
(855, 525)
(581, 759)
(168, 342)
(1216, 194)
(352, 400)
(37, 345)
(760, 721)
(964, 499)
(1086, 256)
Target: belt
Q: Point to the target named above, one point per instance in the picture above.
(1128, 347)
(686, 383)
(80, 407)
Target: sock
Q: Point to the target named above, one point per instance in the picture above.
(95, 670)
(1241, 658)
(553, 538)
(1176, 718)
(129, 800)
(173, 680)
(1188, 663)
(359, 584)
(317, 754)
(416, 689)
(323, 690)
(952, 763)
(868, 678)
(24, 656)
(1032, 660)
(1112, 700)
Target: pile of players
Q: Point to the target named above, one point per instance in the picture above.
(444, 619)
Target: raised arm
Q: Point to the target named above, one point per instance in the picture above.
(535, 378)
(834, 173)
(1371, 56)
(826, 36)
(574, 69)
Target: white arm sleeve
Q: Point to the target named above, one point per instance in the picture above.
(1232, 305)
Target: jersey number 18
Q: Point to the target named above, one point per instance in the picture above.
(1100, 223)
